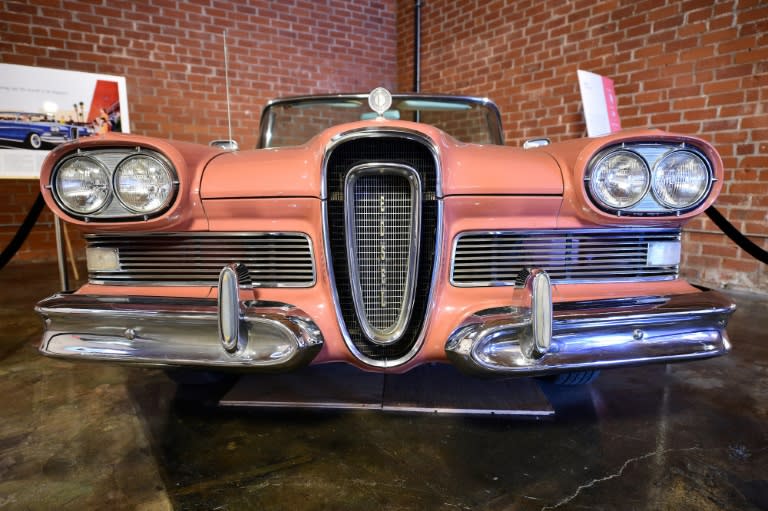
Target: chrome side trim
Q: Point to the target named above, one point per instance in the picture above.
(393, 332)
(595, 334)
(161, 331)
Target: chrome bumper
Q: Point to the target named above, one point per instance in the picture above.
(178, 332)
(533, 340)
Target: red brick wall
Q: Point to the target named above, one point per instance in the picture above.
(171, 54)
(695, 66)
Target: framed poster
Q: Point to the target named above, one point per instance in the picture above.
(601, 110)
(41, 108)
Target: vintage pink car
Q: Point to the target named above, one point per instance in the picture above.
(385, 231)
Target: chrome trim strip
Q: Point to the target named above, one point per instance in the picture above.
(161, 331)
(595, 334)
(438, 242)
(394, 332)
(537, 256)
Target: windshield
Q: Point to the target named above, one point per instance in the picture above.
(294, 121)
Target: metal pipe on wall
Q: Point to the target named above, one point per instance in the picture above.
(417, 47)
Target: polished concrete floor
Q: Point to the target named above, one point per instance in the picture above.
(88, 436)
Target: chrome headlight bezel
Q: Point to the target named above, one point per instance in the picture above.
(659, 194)
(114, 209)
(59, 197)
(120, 194)
(652, 153)
(601, 197)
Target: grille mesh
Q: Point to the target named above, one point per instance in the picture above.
(273, 259)
(496, 258)
(383, 233)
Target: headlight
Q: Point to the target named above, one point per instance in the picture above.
(82, 185)
(680, 180)
(143, 184)
(620, 179)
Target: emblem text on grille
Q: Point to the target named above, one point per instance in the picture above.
(383, 245)
(382, 226)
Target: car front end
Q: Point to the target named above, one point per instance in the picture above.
(385, 243)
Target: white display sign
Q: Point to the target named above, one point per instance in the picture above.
(601, 111)
(41, 108)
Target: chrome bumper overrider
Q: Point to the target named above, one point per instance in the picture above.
(178, 332)
(539, 339)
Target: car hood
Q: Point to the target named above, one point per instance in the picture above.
(465, 169)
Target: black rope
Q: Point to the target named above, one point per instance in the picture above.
(21, 235)
(742, 241)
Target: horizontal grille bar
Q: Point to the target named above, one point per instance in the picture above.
(496, 258)
(273, 259)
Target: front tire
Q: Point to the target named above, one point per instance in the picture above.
(34, 141)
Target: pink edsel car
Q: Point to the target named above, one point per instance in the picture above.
(385, 231)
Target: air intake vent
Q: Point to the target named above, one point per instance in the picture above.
(273, 259)
(495, 258)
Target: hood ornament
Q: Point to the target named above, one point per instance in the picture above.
(380, 99)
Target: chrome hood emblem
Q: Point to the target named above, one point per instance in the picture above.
(380, 99)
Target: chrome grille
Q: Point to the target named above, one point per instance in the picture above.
(387, 152)
(273, 259)
(496, 258)
(383, 214)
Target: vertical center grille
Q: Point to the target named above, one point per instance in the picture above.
(383, 205)
(382, 223)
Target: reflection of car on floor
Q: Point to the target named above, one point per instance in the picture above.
(385, 239)
(35, 130)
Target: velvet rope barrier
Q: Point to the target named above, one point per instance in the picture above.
(742, 241)
(23, 232)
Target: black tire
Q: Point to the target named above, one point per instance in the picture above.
(574, 378)
(34, 141)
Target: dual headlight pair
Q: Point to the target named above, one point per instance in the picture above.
(101, 185)
(676, 180)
